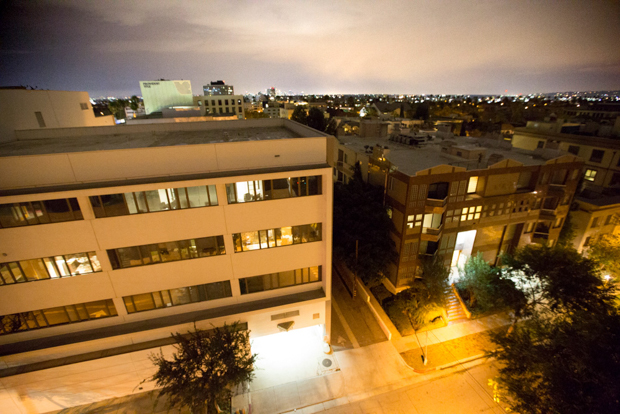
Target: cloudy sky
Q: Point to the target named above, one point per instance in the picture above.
(335, 46)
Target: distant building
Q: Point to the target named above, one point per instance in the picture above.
(161, 94)
(220, 105)
(391, 110)
(22, 109)
(274, 112)
(598, 202)
(218, 88)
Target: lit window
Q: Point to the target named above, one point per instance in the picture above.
(590, 175)
(473, 183)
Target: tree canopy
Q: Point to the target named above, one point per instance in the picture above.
(300, 115)
(359, 215)
(205, 368)
(316, 119)
(605, 250)
(565, 356)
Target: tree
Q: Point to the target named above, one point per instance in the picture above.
(255, 114)
(568, 233)
(482, 284)
(605, 250)
(316, 119)
(359, 215)
(134, 102)
(332, 127)
(117, 107)
(563, 358)
(300, 115)
(426, 294)
(205, 369)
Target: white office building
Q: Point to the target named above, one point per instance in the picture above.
(112, 237)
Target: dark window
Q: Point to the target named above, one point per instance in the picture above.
(573, 149)
(178, 296)
(84, 106)
(438, 191)
(550, 203)
(166, 252)
(111, 205)
(39, 212)
(597, 156)
(280, 280)
(45, 318)
(540, 144)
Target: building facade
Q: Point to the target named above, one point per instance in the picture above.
(221, 105)
(598, 198)
(161, 94)
(115, 245)
(22, 109)
(218, 88)
(445, 203)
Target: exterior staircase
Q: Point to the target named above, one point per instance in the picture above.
(454, 309)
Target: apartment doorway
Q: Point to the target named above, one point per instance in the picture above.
(462, 251)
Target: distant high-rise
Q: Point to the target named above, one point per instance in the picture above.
(218, 88)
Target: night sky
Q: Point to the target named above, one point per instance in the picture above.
(409, 47)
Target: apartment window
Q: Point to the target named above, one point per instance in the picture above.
(240, 110)
(573, 149)
(47, 318)
(166, 252)
(597, 156)
(280, 280)
(53, 267)
(432, 221)
(247, 191)
(595, 222)
(179, 296)
(471, 186)
(428, 248)
(219, 102)
(541, 144)
(590, 175)
(414, 223)
(283, 236)
(238, 101)
(39, 212)
(221, 110)
(226, 102)
(471, 213)
(213, 103)
(615, 179)
(438, 191)
(40, 120)
(138, 202)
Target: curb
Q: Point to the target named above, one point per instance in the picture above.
(445, 366)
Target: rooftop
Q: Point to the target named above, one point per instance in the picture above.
(64, 140)
(410, 159)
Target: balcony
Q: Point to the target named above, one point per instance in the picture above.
(556, 189)
(547, 214)
(540, 238)
(436, 203)
(431, 234)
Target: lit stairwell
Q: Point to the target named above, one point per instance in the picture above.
(454, 309)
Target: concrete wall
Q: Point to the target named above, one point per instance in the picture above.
(92, 166)
(59, 109)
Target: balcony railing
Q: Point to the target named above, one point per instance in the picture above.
(436, 203)
(547, 213)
